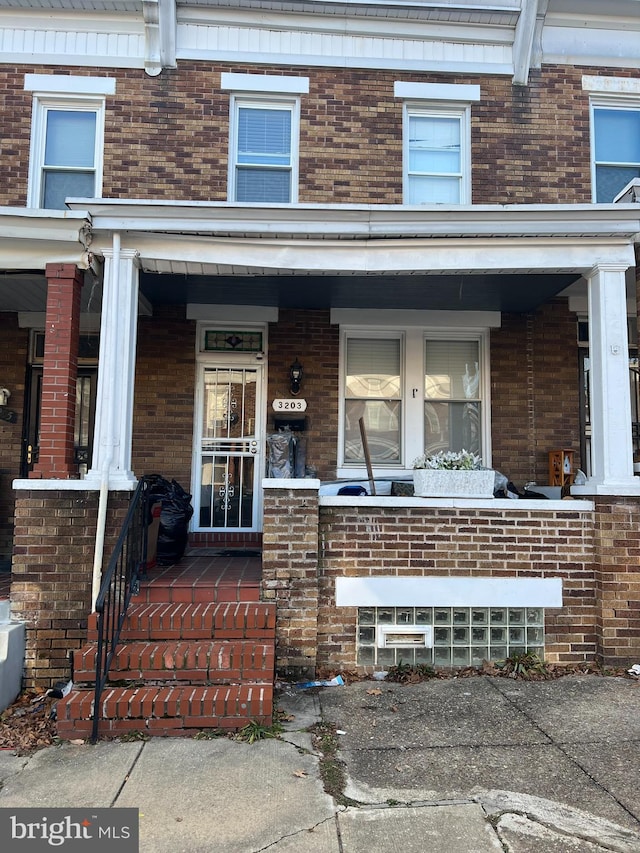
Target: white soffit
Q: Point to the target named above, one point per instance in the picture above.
(448, 592)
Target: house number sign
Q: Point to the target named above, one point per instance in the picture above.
(291, 405)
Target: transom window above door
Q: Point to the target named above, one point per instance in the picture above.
(415, 390)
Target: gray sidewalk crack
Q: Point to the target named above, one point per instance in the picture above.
(127, 775)
(304, 831)
(559, 746)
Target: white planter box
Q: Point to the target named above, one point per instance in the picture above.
(434, 483)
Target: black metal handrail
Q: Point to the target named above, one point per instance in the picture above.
(119, 582)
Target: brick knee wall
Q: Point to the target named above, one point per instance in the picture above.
(290, 575)
(617, 571)
(430, 542)
(52, 567)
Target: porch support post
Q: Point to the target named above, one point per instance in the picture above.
(62, 331)
(610, 399)
(114, 403)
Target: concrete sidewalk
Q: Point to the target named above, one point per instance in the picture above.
(458, 766)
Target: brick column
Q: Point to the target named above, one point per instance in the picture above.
(290, 571)
(617, 570)
(60, 372)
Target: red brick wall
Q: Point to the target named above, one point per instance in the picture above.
(55, 535)
(164, 395)
(535, 405)
(13, 356)
(529, 143)
(308, 336)
(383, 542)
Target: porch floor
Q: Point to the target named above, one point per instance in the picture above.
(198, 576)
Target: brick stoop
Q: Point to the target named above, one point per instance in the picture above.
(185, 663)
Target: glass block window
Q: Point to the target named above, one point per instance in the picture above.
(462, 636)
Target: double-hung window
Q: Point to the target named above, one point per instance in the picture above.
(436, 142)
(417, 389)
(264, 128)
(616, 148)
(66, 138)
(263, 150)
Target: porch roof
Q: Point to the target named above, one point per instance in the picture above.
(476, 257)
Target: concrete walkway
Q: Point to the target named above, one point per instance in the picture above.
(458, 766)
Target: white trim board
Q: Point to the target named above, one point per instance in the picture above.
(448, 592)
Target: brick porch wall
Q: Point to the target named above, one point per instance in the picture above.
(54, 539)
(392, 541)
(595, 552)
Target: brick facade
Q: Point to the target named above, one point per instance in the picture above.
(529, 144)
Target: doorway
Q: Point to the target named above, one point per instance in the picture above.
(229, 447)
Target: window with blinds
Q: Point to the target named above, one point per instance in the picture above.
(452, 383)
(373, 392)
(263, 151)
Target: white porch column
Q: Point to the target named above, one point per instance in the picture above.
(116, 370)
(610, 400)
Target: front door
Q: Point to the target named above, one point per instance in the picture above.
(230, 458)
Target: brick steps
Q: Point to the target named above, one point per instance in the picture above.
(193, 593)
(182, 665)
(192, 661)
(181, 621)
(165, 711)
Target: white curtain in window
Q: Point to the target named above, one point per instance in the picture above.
(452, 370)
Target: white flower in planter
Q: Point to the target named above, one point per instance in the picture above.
(452, 474)
(449, 460)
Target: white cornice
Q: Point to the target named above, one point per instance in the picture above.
(361, 221)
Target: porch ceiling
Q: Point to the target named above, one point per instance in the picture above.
(509, 293)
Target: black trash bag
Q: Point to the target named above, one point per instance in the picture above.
(175, 514)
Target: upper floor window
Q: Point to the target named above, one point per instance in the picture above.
(437, 142)
(616, 149)
(66, 138)
(264, 118)
(264, 151)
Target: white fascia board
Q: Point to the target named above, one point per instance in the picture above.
(589, 221)
(465, 93)
(598, 48)
(385, 318)
(264, 83)
(407, 256)
(67, 85)
(448, 592)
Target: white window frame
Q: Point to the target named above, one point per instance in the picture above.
(412, 367)
(441, 110)
(275, 102)
(61, 92)
(624, 104)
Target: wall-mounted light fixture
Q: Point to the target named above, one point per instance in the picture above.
(4, 396)
(295, 376)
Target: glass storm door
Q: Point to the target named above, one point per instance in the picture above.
(230, 462)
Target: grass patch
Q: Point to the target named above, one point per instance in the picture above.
(332, 769)
(255, 731)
